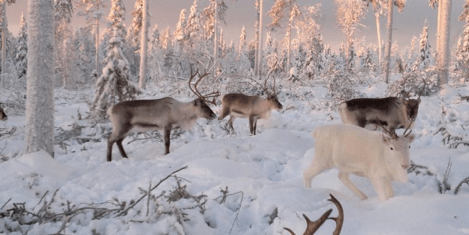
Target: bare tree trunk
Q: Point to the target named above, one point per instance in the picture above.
(289, 39)
(97, 49)
(443, 45)
(4, 39)
(388, 49)
(256, 39)
(259, 56)
(378, 32)
(39, 129)
(144, 46)
(215, 40)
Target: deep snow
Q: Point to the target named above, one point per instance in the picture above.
(266, 168)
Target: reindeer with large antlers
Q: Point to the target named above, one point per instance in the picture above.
(161, 114)
(252, 107)
(313, 226)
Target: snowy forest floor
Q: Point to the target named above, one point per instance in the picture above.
(262, 174)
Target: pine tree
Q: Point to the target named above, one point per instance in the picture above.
(39, 129)
(133, 37)
(114, 84)
(242, 41)
(425, 58)
(179, 34)
(21, 60)
(193, 25)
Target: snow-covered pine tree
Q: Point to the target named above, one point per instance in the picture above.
(311, 42)
(424, 59)
(39, 129)
(180, 34)
(462, 51)
(83, 58)
(349, 13)
(21, 61)
(193, 25)
(114, 84)
(410, 56)
(133, 38)
(93, 14)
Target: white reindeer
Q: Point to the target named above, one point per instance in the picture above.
(355, 150)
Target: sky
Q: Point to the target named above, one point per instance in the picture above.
(241, 13)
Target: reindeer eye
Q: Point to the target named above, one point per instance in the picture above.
(392, 148)
(409, 146)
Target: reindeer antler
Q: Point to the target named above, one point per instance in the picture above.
(196, 91)
(410, 124)
(423, 89)
(266, 88)
(392, 135)
(313, 226)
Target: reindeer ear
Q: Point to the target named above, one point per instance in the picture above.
(386, 139)
(418, 100)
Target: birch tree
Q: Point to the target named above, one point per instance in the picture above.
(260, 51)
(39, 129)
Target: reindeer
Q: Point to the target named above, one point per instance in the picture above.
(252, 107)
(355, 150)
(161, 114)
(393, 112)
(3, 116)
(313, 226)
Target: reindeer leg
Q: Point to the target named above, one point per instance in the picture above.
(345, 179)
(230, 122)
(120, 147)
(252, 121)
(117, 134)
(314, 169)
(167, 134)
(383, 188)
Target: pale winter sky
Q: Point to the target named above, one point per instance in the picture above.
(407, 24)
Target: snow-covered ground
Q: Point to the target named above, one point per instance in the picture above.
(263, 175)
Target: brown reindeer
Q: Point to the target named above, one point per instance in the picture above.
(313, 226)
(392, 112)
(252, 107)
(160, 114)
(3, 116)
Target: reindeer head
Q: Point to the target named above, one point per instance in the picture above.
(412, 105)
(200, 104)
(272, 97)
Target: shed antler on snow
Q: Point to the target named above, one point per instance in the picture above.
(313, 226)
